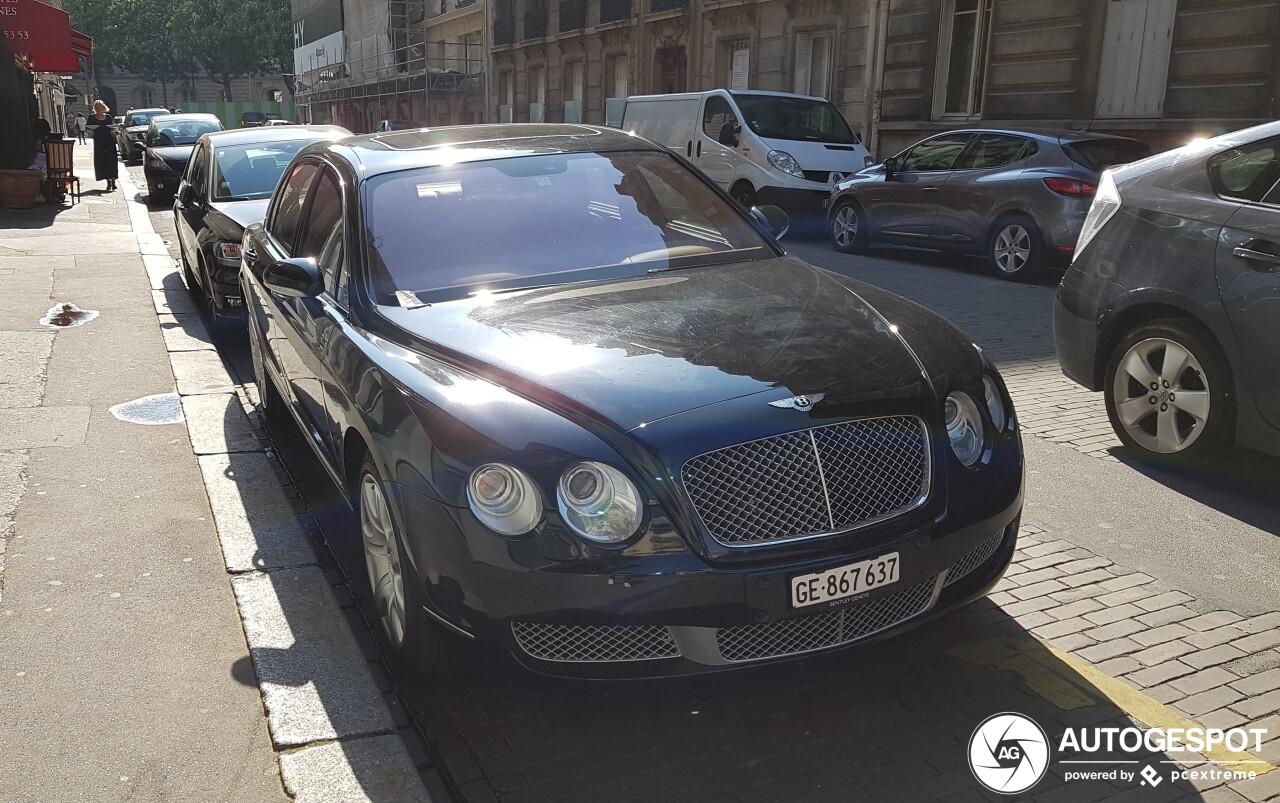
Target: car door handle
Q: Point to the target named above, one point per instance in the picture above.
(1248, 251)
(688, 149)
(699, 148)
(930, 189)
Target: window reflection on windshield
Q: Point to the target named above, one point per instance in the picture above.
(776, 117)
(143, 118)
(183, 133)
(247, 172)
(437, 232)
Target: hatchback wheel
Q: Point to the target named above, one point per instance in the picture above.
(1016, 249)
(848, 229)
(410, 637)
(1168, 393)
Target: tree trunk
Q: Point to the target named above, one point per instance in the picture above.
(164, 93)
(226, 88)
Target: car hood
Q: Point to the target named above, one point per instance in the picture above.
(637, 350)
(174, 154)
(242, 213)
(137, 129)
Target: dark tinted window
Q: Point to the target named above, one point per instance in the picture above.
(181, 132)
(249, 172)
(283, 223)
(442, 231)
(778, 117)
(198, 172)
(1248, 171)
(1273, 197)
(1100, 154)
(938, 153)
(321, 237)
(715, 115)
(988, 151)
(143, 118)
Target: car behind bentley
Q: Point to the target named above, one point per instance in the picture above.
(592, 416)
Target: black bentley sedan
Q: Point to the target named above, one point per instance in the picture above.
(592, 415)
(226, 185)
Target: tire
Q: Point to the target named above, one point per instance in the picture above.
(744, 194)
(409, 637)
(1015, 249)
(1193, 413)
(848, 228)
(189, 276)
(270, 402)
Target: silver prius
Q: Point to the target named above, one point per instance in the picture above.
(1016, 197)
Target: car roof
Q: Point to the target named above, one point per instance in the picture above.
(148, 109)
(1061, 134)
(177, 118)
(251, 136)
(735, 92)
(432, 147)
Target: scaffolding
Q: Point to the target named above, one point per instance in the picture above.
(396, 75)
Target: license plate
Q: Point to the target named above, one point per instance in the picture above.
(844, 581)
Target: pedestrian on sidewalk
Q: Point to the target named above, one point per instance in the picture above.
(105, 166)
(81, 124)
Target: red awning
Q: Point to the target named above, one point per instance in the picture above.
(81, 44)
(40, 35)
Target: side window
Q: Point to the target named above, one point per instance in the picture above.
(197, 173)
(938, 153)
(1273, 197)
(1247, 172)
(290, 197)
(988, 151)
(716, 115)
(322, 231)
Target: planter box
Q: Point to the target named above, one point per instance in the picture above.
(19, 188)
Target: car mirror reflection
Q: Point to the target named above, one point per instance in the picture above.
(773, 219)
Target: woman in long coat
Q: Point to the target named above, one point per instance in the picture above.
(105, 166)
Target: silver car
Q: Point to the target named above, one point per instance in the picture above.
(1016, 197)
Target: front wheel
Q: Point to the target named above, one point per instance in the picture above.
(744, 194)
(1016, 249)
(1168, 393)
(849, 229)
(411, 639)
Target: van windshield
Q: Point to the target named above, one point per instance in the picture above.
(776, 117)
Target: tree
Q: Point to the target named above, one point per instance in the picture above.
(137, 35)
(237, 37)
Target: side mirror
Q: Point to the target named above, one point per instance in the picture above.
(728, 136)
(186, 194)
(890, 167)
(298, 277)
(773, 219)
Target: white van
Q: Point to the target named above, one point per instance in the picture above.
(791, 151)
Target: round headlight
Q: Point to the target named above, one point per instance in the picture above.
(964, 427)
(504, 499)
(995, 402)
(599, 503)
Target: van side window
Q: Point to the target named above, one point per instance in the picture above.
(716, 115)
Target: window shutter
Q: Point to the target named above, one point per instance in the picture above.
(803, 47)
(739, 68)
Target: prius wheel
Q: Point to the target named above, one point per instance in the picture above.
(848, 229)
(1017, 249)
(414, 641)
(1168, 394)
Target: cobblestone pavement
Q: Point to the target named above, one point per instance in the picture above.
(1069, 637)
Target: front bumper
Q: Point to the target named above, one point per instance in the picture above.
(225, 287)
(161, 182)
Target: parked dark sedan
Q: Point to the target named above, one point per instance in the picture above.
(593, 416)
(1016, 197)
(228, 181)
(170, 139)
(1172, 305)
(130, 134)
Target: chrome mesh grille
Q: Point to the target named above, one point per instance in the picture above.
(978, 556)
(811, 482)
(821, 630)
(594, 643)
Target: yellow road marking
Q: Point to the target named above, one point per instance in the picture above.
(1069, 682)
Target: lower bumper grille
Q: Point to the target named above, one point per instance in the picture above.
(822, 630)
(594, 643)
(980, 555)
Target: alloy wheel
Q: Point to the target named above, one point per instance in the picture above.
(844, 227)
(1161, 395)
(1012, 248)
(382, 559)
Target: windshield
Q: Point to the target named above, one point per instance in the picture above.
(440, 232)
(1100, 154)
(775, 117)
(183, 132)
(250, 172)
(144, 118)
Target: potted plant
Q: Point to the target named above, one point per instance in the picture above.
(19, 185)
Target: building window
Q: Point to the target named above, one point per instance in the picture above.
(506, 88)
(739, 64)
(142, 97)
(813, 64)
(618, 76)
(577, 81)
(273, 95)
(186, 94)
(966, 29)
(1135, 58)
(538, 85)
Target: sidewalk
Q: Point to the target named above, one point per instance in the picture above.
(124, 665)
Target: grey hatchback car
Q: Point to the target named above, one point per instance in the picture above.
(1017, 197)
(1172, 305)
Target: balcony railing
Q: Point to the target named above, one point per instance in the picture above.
(615, 10)
(573, 15)
(535, 20)
(504, 31)
(656, 6)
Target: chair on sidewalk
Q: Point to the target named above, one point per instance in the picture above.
(61, 170)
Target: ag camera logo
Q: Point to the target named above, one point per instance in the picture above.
(1009, 753)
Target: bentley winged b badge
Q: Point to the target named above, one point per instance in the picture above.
(802, 403)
